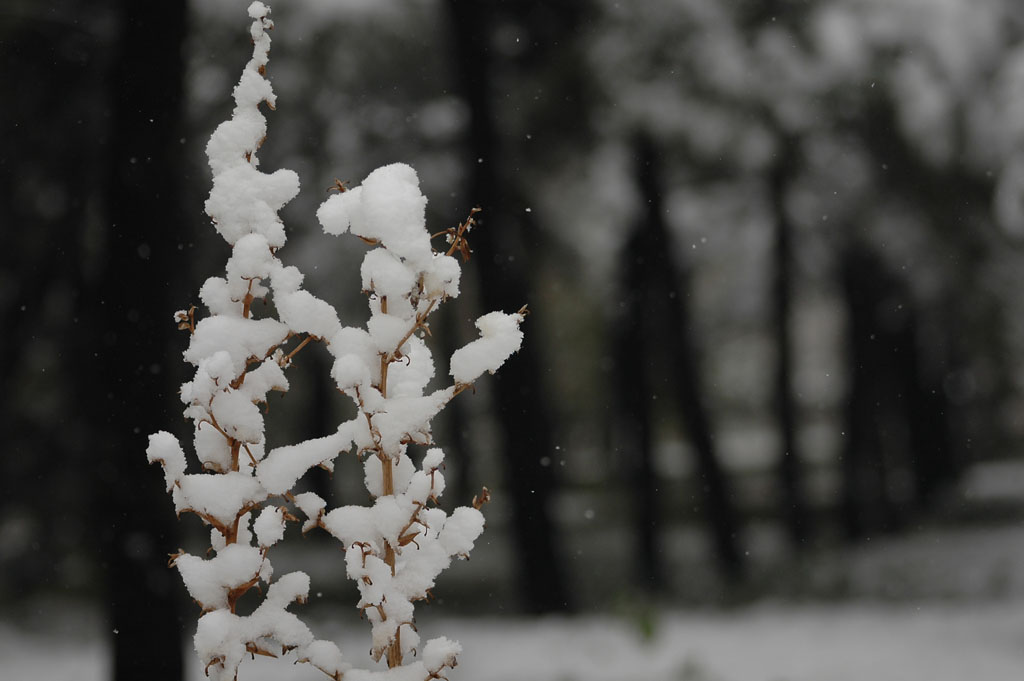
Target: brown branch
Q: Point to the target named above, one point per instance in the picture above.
(459, 242)
(483, 498)
(217, 660)
(247, 301)
(232, 536)
(236, 446)
(421, 318)
(239, 591)
(339, 186)
(255, 650)
(385, 360)
(388, 471)
(407, 539)
(249, 452)
(394, 651)
(209, 519)
(213, 422)
(415, 518)
(461, 388)
(173, 557)
(187, 320)
(305, 341)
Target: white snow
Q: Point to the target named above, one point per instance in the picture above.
(388, 207)
(269, 526)
(238, 416)
(499, 338)
(220, 496)
(954, 641)
(384, 273)
(325, 656)
(165, 449)
(461, 530)
(312, 505)
(209, 580)
(283, 466)
(305, 313)
(211, 448)
(240, 338)
(407, 418)
(440, 652)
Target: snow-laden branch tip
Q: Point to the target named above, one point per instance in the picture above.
(500, 338)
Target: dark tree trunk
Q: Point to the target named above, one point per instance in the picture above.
(955, 201)
(933, 461)
(501, 253)
(879, 437)
(929, 456)
(794, 512)
(856, 483)
(672, 285)
(634, 404)
(130, 311)
(53, 57)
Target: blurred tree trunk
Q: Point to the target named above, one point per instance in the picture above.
(672, 314)
(129, 312)
(933, 462)
(956, 201)
(53, 59)
(521, 398)
(860, 491)
(633, 400)
(898, 452)
(880, 444)
(795, 514)
(754, 18)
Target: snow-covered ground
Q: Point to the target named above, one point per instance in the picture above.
(944, 602)
(768, 642)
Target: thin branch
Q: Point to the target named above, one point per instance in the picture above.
(421, 319)
(247, 301)
(305, 341)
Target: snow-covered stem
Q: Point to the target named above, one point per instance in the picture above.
(395, 557)
(394, 549)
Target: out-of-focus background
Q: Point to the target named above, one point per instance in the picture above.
(768, 420)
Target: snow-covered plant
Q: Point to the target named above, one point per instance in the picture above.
(395, 548)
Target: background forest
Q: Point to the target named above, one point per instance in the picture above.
(772, 252)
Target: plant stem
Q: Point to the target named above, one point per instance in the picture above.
(304, 343)
(394, 650)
